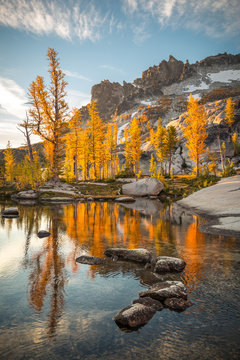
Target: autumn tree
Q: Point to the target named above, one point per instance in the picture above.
(195, 131)
(9, 163)
(171, 143)
(72, 157)
(111, 150)
(26, 129)
(159, 140)
(48, 112)
(134, 144)
(96, 133)
(235, 142)
(229, 112)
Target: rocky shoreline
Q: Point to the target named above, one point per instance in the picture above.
(219, 204)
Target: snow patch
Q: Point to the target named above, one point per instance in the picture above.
(133, 114)
(192, 88)
(195, 96)
(225, 76)
(147, 103)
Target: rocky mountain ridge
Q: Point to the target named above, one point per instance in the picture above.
(171, 78)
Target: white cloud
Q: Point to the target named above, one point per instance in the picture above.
(77, 99)
(83, 20)
(111, 68)
(75, 75)
(214, 17)
(12, 98)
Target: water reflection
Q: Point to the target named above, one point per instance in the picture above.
(91, 228)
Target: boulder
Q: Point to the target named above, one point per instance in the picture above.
(165, 290)
(134, 316)
(169, 264)
(28, 195)
(137, 255)
(143, 187)
(89, 260)
(125, 199)
(10, 213)
(147, 301)
(177, 304)
(43, 233)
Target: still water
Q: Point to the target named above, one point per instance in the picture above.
(54, 308)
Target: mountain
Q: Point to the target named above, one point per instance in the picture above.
(165, 87)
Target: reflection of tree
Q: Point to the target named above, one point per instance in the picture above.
(48, 277)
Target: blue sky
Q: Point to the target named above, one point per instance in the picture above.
(102, 39)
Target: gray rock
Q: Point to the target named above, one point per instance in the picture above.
(89, 260)
(134, 316)
(43, 233)
(28, 195)
(138, 255)
(165, 290)
(168, 264)
(177, 304)
(144, 187)
(125, 199)
(10, 213)
(147, 301)
(58, 199)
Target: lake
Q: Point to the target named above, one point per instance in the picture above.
(54, 308)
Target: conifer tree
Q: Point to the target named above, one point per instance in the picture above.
(9, 163)
(159, 140)
(229, 112)
(73, 145)
(171, 142)
(235, 144)
(96, 132)
(195, 131)
(135, 144)
(127, 148)
(48, 111)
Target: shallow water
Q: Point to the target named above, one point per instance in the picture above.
(54, 308)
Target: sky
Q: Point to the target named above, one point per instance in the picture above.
(102, 39)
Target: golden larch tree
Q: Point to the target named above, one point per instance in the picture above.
(9, 163)
(195, 131)
(48, 112)
(135, 144)
(229, 112)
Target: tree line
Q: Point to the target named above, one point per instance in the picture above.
(89, 149)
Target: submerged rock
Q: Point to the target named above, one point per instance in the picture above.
(144, 187)
(165, 290)
(169, 264)
(134, 316)
(125, 199)
(89, 260)
(138, 255)
(43, 233)
(177, 304)
(147, 301)
(10, 213)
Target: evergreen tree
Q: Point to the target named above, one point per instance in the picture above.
(171, 142)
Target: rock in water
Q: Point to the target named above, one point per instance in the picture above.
(177, 304)
(144, 187)
(43, 233)
(10, 213)
(138, 255)
(147, 301)
(165, 290)
(125, 199)
(168, 264)
(89, 260)
(28, 195)
(134, 316)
